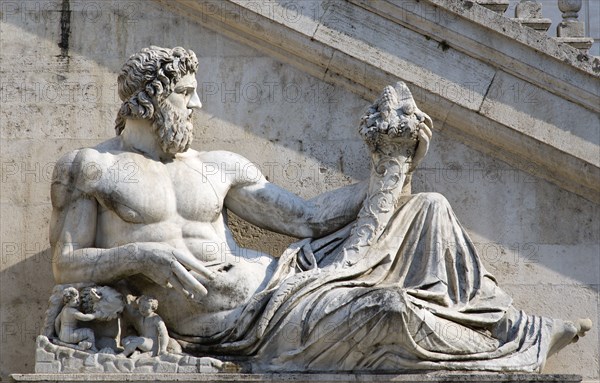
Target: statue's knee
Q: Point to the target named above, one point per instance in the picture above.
(391, 301)
(88, 333)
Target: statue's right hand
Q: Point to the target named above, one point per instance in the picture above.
(171, 268)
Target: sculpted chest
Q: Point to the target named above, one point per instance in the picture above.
(140, 190)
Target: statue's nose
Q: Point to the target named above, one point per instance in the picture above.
(194, 102)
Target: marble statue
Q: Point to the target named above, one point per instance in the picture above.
(153, 335)
(99, 306)
(380, 280)
(65, 323)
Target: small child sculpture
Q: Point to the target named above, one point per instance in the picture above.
(154, 336)
(65, 323)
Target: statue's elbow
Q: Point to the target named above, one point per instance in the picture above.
(60, 265)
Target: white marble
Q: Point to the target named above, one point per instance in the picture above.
(382, 281)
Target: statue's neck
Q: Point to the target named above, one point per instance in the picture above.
(139, 137)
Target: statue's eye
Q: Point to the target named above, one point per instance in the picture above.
(182, 90)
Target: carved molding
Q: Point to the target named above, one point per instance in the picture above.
(460, 42)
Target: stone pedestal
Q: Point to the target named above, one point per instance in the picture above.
(529, 13)
(437, 377)
(498, 6)
(571, 30)
(54, 360)
(58, 364)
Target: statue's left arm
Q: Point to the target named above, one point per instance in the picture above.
(162, 337)
(269, 206)
(57, 323)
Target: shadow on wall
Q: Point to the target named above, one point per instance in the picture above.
(25, 288)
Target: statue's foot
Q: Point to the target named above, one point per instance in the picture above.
(85, 345)
(566, 332)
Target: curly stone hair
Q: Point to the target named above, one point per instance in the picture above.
(68, 294)
(151, 300)
(148, 77)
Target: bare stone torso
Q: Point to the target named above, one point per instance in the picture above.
(179, 203)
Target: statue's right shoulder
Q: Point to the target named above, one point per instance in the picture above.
(72, 162)
(76, 171)
(64, 177)
(102, 155)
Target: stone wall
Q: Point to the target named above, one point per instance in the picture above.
(58, 66)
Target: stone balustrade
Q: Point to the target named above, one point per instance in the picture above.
(529, 13)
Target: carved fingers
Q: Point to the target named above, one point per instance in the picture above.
(424, 136)
(191, 287)
(426, 130)
(193, 264)
(173, 269)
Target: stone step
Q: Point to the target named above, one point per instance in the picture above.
(437, 377)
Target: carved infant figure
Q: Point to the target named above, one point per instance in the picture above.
(65, 323)
(153, 331)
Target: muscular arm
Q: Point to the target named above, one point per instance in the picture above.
(73, 231)
(163, 337)
(83, 317)
(57, 323)
(256, 200)
(75, 257)
(271, 207)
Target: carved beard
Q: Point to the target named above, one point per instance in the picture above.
(174, 129)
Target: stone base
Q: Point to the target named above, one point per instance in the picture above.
(581, 43)
(55, 360)
(437, 377)
(498, 6)
(541, 25)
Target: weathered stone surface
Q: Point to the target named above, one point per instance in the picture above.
(165, 367)
(571, 29)
(53, 359)
(305, 378)
(436, 18)
(73, 365)
(498, 6)
(53, 367)
(109, 367)
(25, 201)
(42, 355)
(530, 9)
(529, 13)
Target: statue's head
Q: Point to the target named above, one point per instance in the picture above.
(105, 301)
(147, 83)
(71, 297)
(147, 305)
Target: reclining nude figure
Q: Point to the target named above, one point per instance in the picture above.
(381, 281)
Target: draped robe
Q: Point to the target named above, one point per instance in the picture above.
(419, 298)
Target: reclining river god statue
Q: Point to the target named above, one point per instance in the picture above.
(380, 280)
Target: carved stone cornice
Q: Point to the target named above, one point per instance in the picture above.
(500, 87)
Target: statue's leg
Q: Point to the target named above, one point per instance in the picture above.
(131, 343)
(444, 222)
(87, 339)
(146, 345)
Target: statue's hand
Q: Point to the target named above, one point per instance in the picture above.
(424, 137)
(173, 268)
